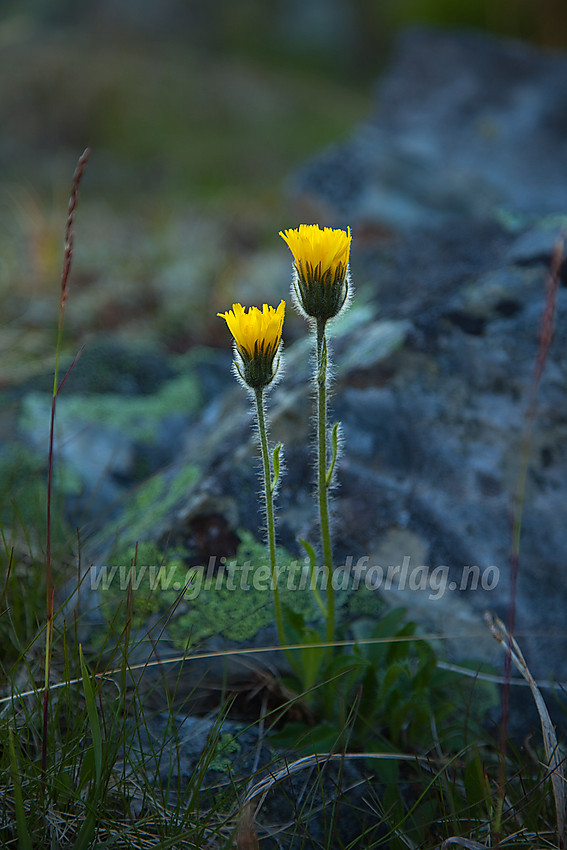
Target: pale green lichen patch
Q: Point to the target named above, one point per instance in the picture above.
(147, 508)
(135, 416)
(153, 581)
(235, 600)
(242, 603)
(226, 748)
(23, 500)
(366, 602)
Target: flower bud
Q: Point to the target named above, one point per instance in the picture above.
(257, 337)
(320, 260)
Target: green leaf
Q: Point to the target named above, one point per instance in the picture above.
(399, 714)
(369, 705)
(294, 627)
(295, 623)
(312, 569)
(335, 448)
(323, 738)
(93, 717)
(311, 659)
(387, 771)
(343, 662)
(387, 627)
(276, 467)
(476, 784)
(394, 673)
(290, 737)
(24, 839)
(399, 650)
(322, 373)
(427, 667)
(87, 832)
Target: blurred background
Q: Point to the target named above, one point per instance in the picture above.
(197, 114)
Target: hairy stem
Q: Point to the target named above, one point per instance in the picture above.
(268, 494)
(322, 481)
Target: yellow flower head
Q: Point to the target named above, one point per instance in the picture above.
(321, 257)
(257, 335)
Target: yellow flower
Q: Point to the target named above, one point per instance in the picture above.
(312, 247)
(321, 258)
(257, 335)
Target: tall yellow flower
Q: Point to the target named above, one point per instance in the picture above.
(320, 259)
(257, 336)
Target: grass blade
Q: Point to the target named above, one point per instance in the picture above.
(93, 717)
(24, 839)
(550, 743)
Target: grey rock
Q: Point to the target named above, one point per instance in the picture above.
(289, 800)
(464, 124)
(537, 244)
(122, 415)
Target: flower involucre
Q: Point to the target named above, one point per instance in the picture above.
(257, 335)
(321, 257)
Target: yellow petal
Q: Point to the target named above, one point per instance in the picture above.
(325, 249)
(256, 330)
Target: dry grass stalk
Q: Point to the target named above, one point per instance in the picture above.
(553, 755)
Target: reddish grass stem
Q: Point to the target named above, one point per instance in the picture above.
(67, 259)
(547, 329)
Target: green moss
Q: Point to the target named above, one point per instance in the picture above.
(149, 505)
(235, 602)
(23, 501)
(135, 415)
(365, 602)
(238, 601)
(155, 581)
(227, 746)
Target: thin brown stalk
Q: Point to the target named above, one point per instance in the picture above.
(547, 329)
(67, 260)
(553, 755)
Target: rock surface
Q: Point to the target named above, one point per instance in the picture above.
(464, 124)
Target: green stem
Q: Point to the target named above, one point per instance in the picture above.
(322, 482)
(268, 493)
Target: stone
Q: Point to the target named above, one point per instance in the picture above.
(464, 124)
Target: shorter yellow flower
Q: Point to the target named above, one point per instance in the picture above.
(257, 336)
(321, 257)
